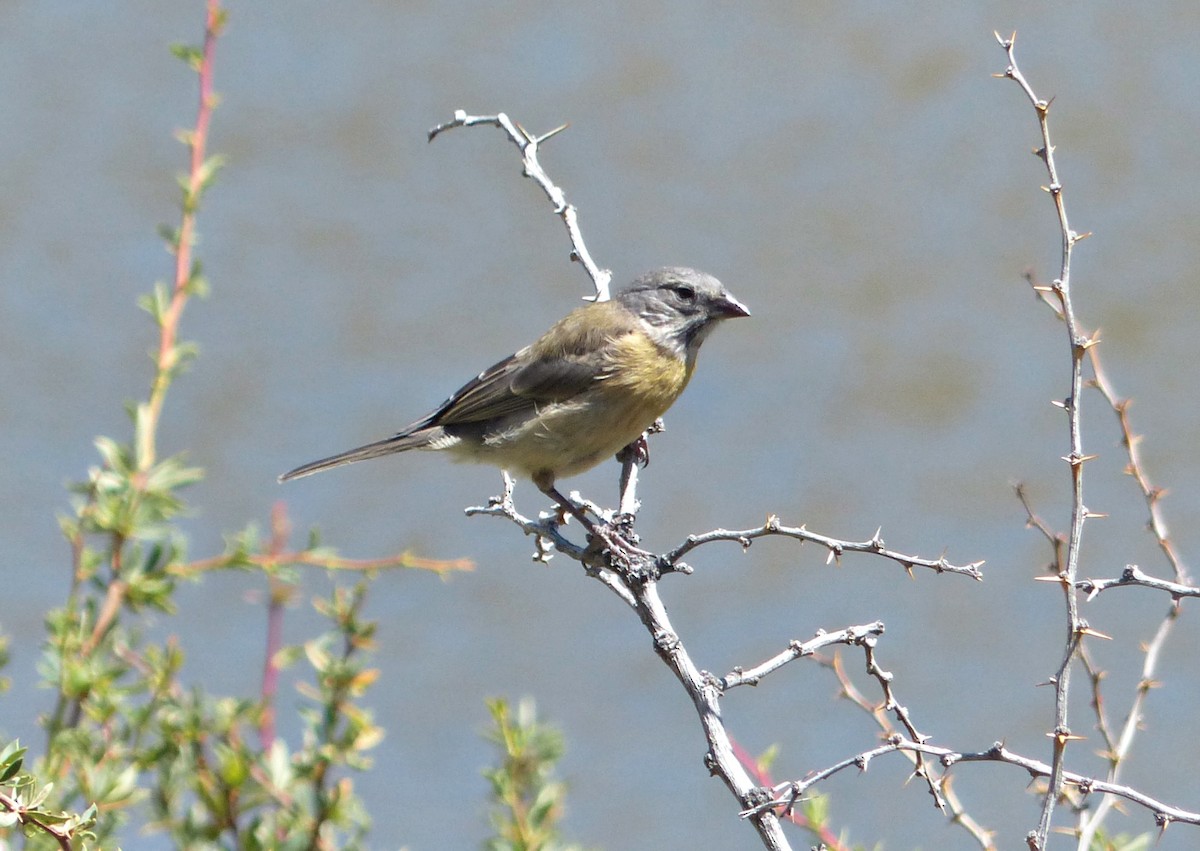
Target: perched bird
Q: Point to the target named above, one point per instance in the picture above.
(586, 389)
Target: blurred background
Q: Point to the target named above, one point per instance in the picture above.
(851, 171)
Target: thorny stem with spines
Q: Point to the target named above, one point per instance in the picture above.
(1075, 458)
(634, 576)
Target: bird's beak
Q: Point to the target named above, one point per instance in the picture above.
(728, 307)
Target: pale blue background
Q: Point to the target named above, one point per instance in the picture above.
(851, 171)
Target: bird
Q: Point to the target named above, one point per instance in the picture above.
(587, 388)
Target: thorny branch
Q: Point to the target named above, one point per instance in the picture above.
(528, 144)
(635, 578)
(836, 547)
(1118, 746)
(1075, 458)
(878, 711)
(786, 795)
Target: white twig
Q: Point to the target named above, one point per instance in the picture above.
(835, 546)
(528, 145)
(1075, 458)
(786, 795)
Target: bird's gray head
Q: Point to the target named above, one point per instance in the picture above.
(680, 306)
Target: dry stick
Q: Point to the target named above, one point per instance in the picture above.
(528, 145)
(1075, 458)
(878, 712)
(836, 547)
(1118, 747)
(865, 636)
(788, 794)
(1136, 469)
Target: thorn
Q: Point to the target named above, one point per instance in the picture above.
(1058, 403)
(551, 133)
(1064, 736)
(1087, 630)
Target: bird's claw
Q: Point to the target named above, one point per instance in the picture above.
(623, 552)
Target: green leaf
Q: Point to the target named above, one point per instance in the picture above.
(156, 302)
(143, 431)
(188, 53)
(170, 235)
(208, 170)
(115, 456)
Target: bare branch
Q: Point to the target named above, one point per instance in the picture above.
(835, 546)
(1075, 458)
(851, 635)
(528, 145)
(1133, 576)
(786, 795)
(1132, 443)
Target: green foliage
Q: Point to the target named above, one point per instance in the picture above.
(127, 739)
(527, 802)
(220, 780)
(1121, 842)
(23, 805)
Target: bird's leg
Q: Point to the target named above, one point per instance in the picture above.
(611, 538)
(639, 450)
(568, 506)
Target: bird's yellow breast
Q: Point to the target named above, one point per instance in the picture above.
(647, 375)
(638, 382)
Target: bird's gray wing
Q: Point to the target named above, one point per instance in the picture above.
(567, 360)
(517, 384)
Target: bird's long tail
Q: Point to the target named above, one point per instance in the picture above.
(398, 443)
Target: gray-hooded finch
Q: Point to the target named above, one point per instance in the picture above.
(586, 389)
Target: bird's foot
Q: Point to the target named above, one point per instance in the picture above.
(639, 450)
(619, 541)
(616, 537)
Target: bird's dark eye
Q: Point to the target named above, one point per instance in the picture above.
(685, 292)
